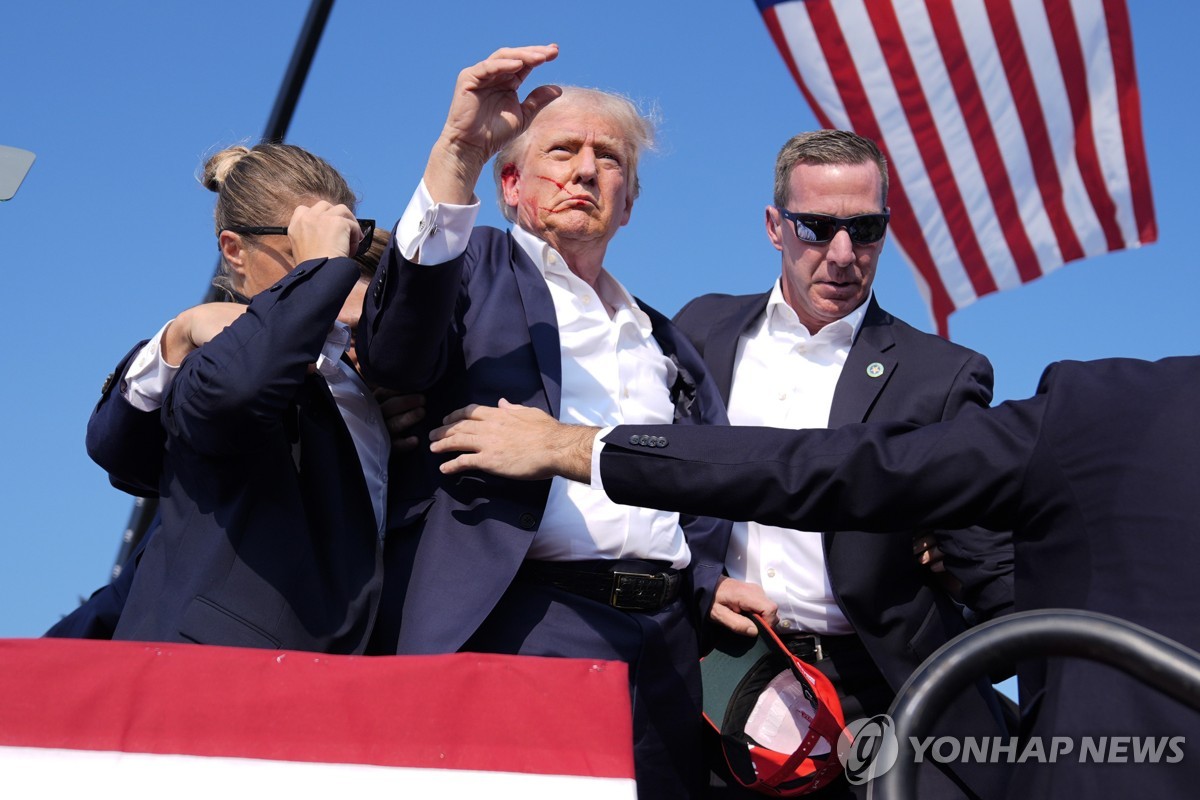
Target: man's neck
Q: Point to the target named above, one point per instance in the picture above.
(585, 259)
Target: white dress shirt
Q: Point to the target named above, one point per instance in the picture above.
(785, 377)
(149, 375)
(613, 372)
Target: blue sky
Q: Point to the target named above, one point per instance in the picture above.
(111, 235)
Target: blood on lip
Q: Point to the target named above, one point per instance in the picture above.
(561, 187)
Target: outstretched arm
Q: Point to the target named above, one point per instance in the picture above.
(514, 441)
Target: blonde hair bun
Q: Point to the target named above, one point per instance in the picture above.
(218, 167)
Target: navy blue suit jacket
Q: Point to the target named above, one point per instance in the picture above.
(268, 537)
(126, 442)
(474, 330)
(1095, 476)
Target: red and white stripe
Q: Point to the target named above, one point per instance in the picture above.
(124, 719)
(1012, 128)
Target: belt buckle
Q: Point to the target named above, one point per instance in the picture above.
(815, 641)
(622, 578)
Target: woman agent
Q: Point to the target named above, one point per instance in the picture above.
(274, 473)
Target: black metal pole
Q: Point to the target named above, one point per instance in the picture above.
(144, 509)
(1149, 657)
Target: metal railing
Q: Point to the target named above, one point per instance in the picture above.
(1151, 658)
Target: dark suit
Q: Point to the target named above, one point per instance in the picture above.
(885, 594)
(267, 537)
(126, 442)
(1095, 476)
(474, 330)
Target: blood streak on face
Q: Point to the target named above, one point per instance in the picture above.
(570, 187)
(561, 187)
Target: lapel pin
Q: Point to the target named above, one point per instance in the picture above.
(874, 369)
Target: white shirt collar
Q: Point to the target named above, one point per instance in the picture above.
(550, 262)
(782, 317)
(329, 363)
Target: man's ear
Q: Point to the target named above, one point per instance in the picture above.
(629, 198)
(233, 250)
(510, 177)
(774, 227)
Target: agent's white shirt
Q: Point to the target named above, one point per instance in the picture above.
(785, 377)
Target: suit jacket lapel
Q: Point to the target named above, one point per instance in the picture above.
(720, 348)
(861, 381)
(542, 322)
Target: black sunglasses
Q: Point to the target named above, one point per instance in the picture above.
(821, 228)
(367, 226)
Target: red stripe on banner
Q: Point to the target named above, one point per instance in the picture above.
(929, 143)
(1037, 137)
(468, 711)
(987, 148)
(781, 44)
(1120, 39)
(1074, 71)
(905, 226)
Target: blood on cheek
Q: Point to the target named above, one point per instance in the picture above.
(561, 187)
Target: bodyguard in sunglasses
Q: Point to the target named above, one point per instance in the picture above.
(818, 351)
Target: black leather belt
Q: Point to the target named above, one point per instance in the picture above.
(625, 584)
(811, 647)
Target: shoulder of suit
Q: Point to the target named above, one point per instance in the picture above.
(710, 307)
(913, 337)
(489, 248)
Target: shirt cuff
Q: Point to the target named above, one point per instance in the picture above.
(433, 233)
(597, 446)
(148, 375)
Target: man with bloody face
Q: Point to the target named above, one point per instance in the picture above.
(473, 315)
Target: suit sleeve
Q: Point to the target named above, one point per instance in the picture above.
(125, 442)
(230, 394)
(869, 476)
(406, 335)
(981, 560)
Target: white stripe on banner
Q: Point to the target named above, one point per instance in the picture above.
(97, 775)
(1012, 128)
(179, 720)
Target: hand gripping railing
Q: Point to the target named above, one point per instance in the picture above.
(1149, 657)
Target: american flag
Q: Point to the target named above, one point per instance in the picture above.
(1012, 127)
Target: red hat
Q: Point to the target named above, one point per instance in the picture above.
(776, 719)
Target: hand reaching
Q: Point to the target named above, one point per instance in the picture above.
(195, 327)
(734, 597)
(401, 412)
(515, 442)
